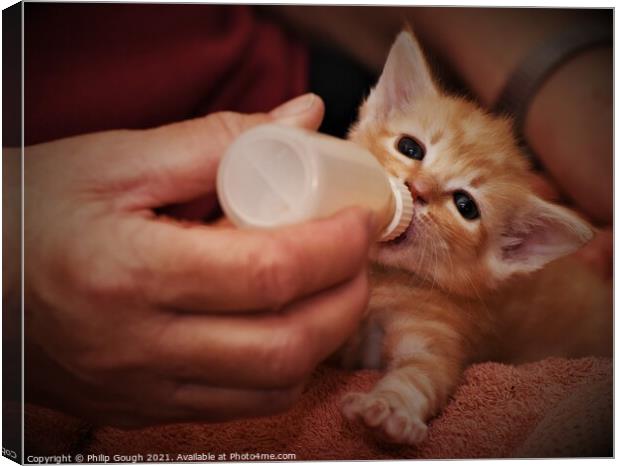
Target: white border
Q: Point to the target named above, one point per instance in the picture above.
(480, 3)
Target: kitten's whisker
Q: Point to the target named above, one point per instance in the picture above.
(423, 232)
(436, 263)
(430, 245)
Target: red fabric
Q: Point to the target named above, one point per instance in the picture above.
(91, 67)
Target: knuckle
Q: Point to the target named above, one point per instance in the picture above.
(278, 401)
(102, 288)
(97, 280)
(275, 275)
(96, 364)
(105, 359)
(226, 123)
(289, 359)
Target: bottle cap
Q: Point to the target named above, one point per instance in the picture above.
(403, 210)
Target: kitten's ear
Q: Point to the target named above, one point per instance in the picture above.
(538, 234)
(405, 78)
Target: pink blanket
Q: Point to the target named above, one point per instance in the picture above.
(552, 408)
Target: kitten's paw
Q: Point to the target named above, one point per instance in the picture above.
(386, 416)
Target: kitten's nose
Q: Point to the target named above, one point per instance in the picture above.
(420, 190)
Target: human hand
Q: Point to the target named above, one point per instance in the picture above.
(133, 318)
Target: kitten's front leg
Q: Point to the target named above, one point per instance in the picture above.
(424, 369)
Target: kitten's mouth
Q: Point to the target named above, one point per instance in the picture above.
(404, 236)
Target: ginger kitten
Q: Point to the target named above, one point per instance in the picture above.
(475, 277)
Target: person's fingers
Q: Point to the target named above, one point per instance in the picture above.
(180, 160)
(199, 268)
(205, 208)
(164, 400)
(265, 350)
(202, 403)
(305, 111)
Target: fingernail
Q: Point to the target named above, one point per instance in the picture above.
(298, 105)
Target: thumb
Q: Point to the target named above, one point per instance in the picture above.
(305, 111)
(183, 157)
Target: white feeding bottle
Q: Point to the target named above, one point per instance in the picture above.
(276, 175)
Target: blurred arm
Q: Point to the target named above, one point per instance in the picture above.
(569, 123)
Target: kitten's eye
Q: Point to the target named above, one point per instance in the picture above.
(466, 205)
(410, 148)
